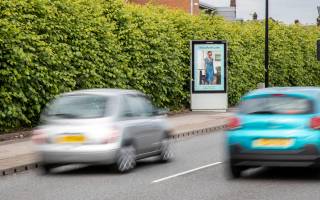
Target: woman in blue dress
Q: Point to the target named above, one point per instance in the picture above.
(209, 66)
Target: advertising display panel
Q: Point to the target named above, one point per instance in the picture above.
(209, 75)
(209, 67)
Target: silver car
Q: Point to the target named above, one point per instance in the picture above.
(109, 126)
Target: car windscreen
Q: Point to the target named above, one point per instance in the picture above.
(276, 105)
(78, 107)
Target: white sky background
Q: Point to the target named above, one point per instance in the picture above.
(284, 10)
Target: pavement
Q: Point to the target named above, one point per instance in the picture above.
(19, 155)
(197, 172)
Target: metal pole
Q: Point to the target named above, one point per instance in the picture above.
(318, 19)
(266, 57)
(191, 7)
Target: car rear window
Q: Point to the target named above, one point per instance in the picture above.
(276, 105)
(78, 107)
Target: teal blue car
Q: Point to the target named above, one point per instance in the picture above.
(275, 127)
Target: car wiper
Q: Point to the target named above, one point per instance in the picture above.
(64, 115)
(263, 112)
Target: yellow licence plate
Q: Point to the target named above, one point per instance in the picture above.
(272, 142)
(71, 139)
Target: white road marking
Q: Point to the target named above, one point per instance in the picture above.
(186, 172)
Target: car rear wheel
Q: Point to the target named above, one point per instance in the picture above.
(127, 159)
(46, 168)
(235, 171)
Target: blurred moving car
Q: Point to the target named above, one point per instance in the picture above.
(275, 127)
(102, 126)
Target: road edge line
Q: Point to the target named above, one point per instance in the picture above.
(186, 172)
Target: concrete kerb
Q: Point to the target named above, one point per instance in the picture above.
(34, 165)
(17, 169)
(198, 132)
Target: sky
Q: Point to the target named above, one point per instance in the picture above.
(284, 10)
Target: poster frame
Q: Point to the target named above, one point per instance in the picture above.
(193, 43)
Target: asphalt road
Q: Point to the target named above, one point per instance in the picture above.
(196, 173)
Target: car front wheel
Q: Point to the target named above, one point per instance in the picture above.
(166, 153)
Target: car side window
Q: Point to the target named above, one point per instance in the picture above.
(137, 106)
(126, 110)
(148, 108)
(132, 107)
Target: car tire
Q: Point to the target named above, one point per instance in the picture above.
(45, 169)
(126, 160)
(166, 153)
(235, 171)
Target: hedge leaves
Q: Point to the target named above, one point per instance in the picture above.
(52, 46)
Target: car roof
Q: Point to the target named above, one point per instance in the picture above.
(309, 92)
(104, 91)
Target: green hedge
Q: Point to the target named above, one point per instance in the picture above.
(49, 47)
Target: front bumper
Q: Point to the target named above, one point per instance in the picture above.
(68, 154)
(305, 157)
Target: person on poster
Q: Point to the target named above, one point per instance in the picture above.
(209, 68)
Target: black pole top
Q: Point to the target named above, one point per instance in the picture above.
(266, 57)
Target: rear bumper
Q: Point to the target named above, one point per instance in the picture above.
(59, 154)
(307, 156)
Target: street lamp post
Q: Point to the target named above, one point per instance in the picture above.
(266, 56)
(318, 19)
(191, 7)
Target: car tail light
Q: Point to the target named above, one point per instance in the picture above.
(112, 136)
(315, 123)
(39, 137)
(234, 123)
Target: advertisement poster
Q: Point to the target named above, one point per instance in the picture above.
(208, 66)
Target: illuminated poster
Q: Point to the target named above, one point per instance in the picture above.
(208, 66)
